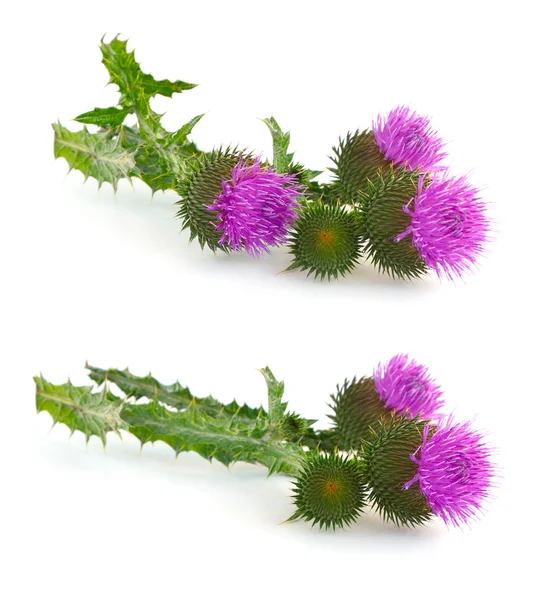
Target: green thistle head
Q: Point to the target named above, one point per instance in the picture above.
(382, 218)
(387, 466)
(325, 241)
(357, 159)
(294, 428)
(329, 491)
(199, 187)
(357, 407)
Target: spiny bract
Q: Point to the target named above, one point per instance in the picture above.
(357, 159)
(356, 408)
(329, 491)
(387, 467)
(325, 241)
(382, 219)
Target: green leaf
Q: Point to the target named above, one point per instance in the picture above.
(174, 395)
(276, 408)
(312, 174)
(281, 158)
(233, 434)
(227, 440)
(179, 137)
(136, 87)
(79, 408)
(153, 167)
(99, 155)
(103, 117)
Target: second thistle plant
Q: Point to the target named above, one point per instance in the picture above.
(407, 466)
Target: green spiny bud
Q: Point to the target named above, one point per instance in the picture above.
(382, 219)
(387, 466)
(325, 241)
(357, 159)
(329, 491)
(199, 188)
(357, 407)
(294, 428)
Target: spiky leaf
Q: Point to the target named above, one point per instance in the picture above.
(275, 389)
(329, 491)
(79, 408)
(325, 241)
(99, 155)
(174, 395)
(357, 159)
(382, 218)
(136, 87)
(387, 466)
(282, 159)
(178, 138)
(103, 117)
(228, 439)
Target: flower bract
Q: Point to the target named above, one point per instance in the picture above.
(325, 241)
(329, 491)
(387, 466)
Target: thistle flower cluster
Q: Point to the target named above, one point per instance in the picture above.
(414, 463)
(391, 201)
(390, 447)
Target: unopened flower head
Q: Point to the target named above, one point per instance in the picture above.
(406, 387)
(256, 207)
(408, 140)
(329, 490)
(455, 471)
(449, 226)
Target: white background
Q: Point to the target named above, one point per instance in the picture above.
(89, 275)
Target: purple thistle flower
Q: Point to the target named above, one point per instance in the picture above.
(449, 226)
(408, 140)
(256, 207)
(407, 388)
(455, 472)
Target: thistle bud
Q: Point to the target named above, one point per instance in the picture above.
(325, 241)
(329, 491)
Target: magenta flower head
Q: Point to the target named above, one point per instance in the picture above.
(448, 225)
(407, 388)
(400, 388)
(408, 140)
(256, 207)
(455, 472)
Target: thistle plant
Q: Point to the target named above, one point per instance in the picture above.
(388, 449)
(389, 199)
